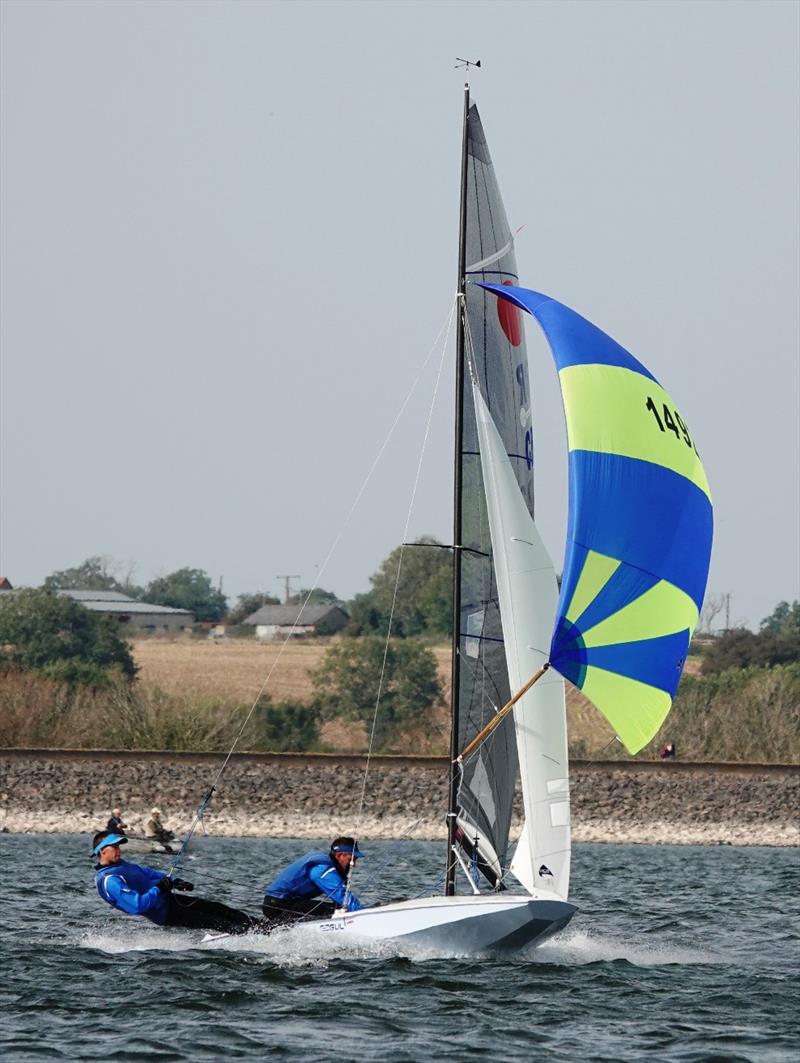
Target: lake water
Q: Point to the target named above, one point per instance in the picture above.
(677, 954)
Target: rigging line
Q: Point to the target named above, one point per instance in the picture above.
(423, 447)
(389, 859)
(444, 330)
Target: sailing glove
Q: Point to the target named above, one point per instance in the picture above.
(165, 884)
(182, 884)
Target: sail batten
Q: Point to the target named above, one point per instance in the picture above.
(640, 526)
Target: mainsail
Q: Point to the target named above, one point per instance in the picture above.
(640, 526)
(496, 349)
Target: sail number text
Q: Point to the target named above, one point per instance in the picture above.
(671, 421)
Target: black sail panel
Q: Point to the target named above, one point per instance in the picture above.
(495, 347)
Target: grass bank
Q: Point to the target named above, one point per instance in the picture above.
(195, 694)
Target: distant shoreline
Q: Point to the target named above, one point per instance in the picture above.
(305, 796)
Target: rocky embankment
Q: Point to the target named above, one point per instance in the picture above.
(288, 796)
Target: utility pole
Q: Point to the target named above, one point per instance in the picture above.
(727, 612)
(287, 580)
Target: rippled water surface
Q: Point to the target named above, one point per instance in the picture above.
(677, 953)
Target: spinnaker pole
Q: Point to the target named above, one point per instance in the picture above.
(455, 668)
(501, 714)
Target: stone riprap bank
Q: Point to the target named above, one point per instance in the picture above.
(287, 796)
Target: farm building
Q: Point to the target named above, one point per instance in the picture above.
(135, 616)
(277, 621)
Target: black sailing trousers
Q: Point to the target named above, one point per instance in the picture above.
(197, 913)
(280, 912)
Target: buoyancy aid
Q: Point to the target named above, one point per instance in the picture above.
(311, 875)
(295, 880)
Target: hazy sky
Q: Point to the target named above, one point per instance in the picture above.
(229, 243)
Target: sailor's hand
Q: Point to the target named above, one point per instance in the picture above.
(165, 884)
(182, 884)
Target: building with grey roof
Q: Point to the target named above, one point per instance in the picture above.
(278, 621)
(136, 617)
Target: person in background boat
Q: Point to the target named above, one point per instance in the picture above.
(138, 890)
(668, 752)
(115, 823)
(300, 890)
(156, 830)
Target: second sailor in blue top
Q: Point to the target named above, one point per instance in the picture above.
(314, 886)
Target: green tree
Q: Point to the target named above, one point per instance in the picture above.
(783, 620)
(347, 681)
(365, 616)
(317, 596)
(424, 600)
(94, 574)
(286, 726)
(247, 604)
(740, 648)
(188, 588)
(46, 633)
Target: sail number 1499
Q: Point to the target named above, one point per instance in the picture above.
(670, 421)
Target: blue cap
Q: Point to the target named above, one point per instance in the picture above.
(110, 839)
(348, 847)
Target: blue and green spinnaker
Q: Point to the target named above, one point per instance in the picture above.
(639, 530)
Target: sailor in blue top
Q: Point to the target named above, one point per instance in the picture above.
(298, 891)
(138, 890)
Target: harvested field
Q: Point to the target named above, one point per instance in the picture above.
(229, 669)
(234, 670)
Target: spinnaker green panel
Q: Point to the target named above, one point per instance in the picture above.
(640, 526)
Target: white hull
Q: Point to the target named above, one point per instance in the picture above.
(496, 923)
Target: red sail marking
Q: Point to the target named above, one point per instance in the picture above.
(510, 319)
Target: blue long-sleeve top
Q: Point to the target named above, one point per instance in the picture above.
(132, 889)
(311, 875)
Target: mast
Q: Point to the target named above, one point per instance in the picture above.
(455, 671)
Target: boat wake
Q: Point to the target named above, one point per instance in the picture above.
(290, 947)
(302, 947)
(575, 947)
(126, 939)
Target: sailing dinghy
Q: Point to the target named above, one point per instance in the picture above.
(637, 557)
